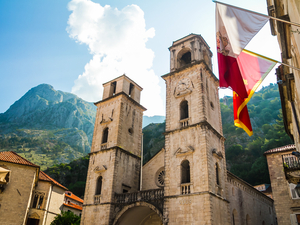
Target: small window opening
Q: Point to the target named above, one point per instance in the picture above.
(105, 135)
(185, 58)
(217, 174)
(233, 220)
(212, 106)
(40, 202)
(131, 89)
(113, 88)
(185, 172)
(184, 110)
(99, 186)
(130, 130)
(35, 200)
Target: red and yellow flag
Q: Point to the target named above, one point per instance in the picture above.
(253, 69)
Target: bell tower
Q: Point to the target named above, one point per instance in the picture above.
(195, 166)
(114, 165)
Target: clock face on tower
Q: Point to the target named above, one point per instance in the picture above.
(183, 84)
(183, 87)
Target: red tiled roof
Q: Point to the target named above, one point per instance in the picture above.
(72, 196)
(43, 176)
(72, 205)
(13, 157)
(281, 149)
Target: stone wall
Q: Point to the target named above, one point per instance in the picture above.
(248, 205)
(16, 197)
(150, 169)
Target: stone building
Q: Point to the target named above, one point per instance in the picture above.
(187, 181)
(28, 195)
(288, 79)
(284, 169)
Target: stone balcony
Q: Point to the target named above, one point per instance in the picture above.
(184, 122)
(154, 196)
(103, 146)
(97, 199)
(291, 165)
(185, 188)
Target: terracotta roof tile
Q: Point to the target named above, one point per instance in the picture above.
(72, 205)
(281, 149)
(72, 196)
(43, 176)
(12, 157)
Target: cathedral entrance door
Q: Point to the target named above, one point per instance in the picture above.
(138, 215)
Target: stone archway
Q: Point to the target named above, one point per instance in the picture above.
(139, 213)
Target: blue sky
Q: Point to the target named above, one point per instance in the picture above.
(35, 46)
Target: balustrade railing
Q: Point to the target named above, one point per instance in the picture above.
(148, 195)
(290, 161)
(184, 122)
(97, 199)
(104, 146)
(185, 189)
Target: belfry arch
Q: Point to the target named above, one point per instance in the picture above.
(184, 57)
(139, 213)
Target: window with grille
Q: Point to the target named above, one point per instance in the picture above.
(38, 200)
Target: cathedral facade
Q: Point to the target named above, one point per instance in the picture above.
(186, 182)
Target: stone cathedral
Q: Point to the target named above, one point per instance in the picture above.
(186, 182)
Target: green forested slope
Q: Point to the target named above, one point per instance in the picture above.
(244, 154)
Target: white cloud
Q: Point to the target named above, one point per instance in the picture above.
(117, 40)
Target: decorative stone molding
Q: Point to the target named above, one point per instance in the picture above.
(188, 150)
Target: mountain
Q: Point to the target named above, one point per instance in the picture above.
(152, 119)
(47, 126)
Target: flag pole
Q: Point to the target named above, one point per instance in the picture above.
(270, 17)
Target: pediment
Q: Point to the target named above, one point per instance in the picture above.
(217, 154)
(100, 169)
(184, 151)
(34, 216)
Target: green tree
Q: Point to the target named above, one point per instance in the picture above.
(66, 218)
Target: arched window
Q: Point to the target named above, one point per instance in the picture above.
(185, 59)
(217, 174)
(105, 135)
(248, 220)
(99, 186)
(185, 172)
(234, 217)
(184, 110)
